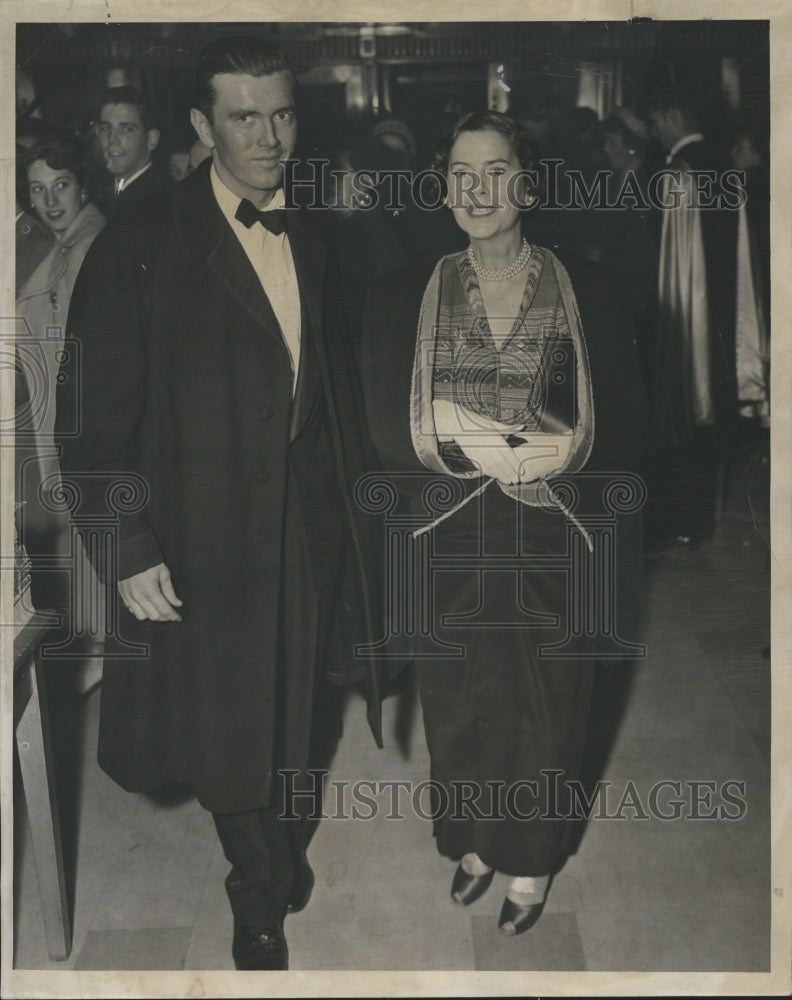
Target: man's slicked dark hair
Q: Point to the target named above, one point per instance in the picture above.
(249, 55)
(133, 97)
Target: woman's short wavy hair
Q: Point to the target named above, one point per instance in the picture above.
(59, 153)
(522, 142)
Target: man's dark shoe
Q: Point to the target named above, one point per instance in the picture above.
(260, 948)
(302, 884)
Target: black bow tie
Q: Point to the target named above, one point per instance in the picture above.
(275, 221)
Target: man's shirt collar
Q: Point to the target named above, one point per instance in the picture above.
(122, 185)
(229, 202)
(681, 143)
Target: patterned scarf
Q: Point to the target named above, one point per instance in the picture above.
(452, 308)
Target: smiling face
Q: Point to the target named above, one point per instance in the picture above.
(253, 129)
(55, 196)
(126, 145)
(483, 192)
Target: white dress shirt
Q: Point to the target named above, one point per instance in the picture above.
(122, 183)
(272, 260)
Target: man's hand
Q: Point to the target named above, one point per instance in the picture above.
(150, 595)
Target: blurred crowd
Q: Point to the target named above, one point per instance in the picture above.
(699, 280)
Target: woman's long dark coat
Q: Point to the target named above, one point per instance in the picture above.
(183, 386)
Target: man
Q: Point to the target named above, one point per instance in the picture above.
(179, 158)
(623, 235)
(217, 386)
(694, 385)
(185, 155)
(198, 153)
(128, 138)
(397, 141)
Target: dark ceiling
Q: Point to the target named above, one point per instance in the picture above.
(309, 44)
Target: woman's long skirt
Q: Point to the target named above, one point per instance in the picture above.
(505, 718)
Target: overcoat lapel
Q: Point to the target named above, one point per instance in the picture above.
(310, 262)
(308, 378)
(44, 279)
(209, 239)
(46, 276)
(232, 266)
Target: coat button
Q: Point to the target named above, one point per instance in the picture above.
(264, 476)
(265, 414)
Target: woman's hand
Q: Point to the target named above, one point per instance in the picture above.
(452, 420)
(542, 455)
(482, 439)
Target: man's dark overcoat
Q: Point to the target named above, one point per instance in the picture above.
(151, 182)
(185, 382)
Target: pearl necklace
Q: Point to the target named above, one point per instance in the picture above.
(517, 265)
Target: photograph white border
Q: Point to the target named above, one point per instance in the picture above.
(39, 984)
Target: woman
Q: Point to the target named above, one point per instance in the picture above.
(53, 177)
(508, 367)
(369, 243)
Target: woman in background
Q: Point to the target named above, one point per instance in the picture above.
(53, 183)
(457, 374)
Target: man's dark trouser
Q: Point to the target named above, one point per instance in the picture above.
(259, 846)
(683, 484)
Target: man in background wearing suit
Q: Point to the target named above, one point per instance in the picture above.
(128, 138)
(218, 385)
(694, 402)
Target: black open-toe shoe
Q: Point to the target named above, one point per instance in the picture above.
(515, 918)
(466, 889)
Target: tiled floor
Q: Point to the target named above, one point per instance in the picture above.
(640, 894)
